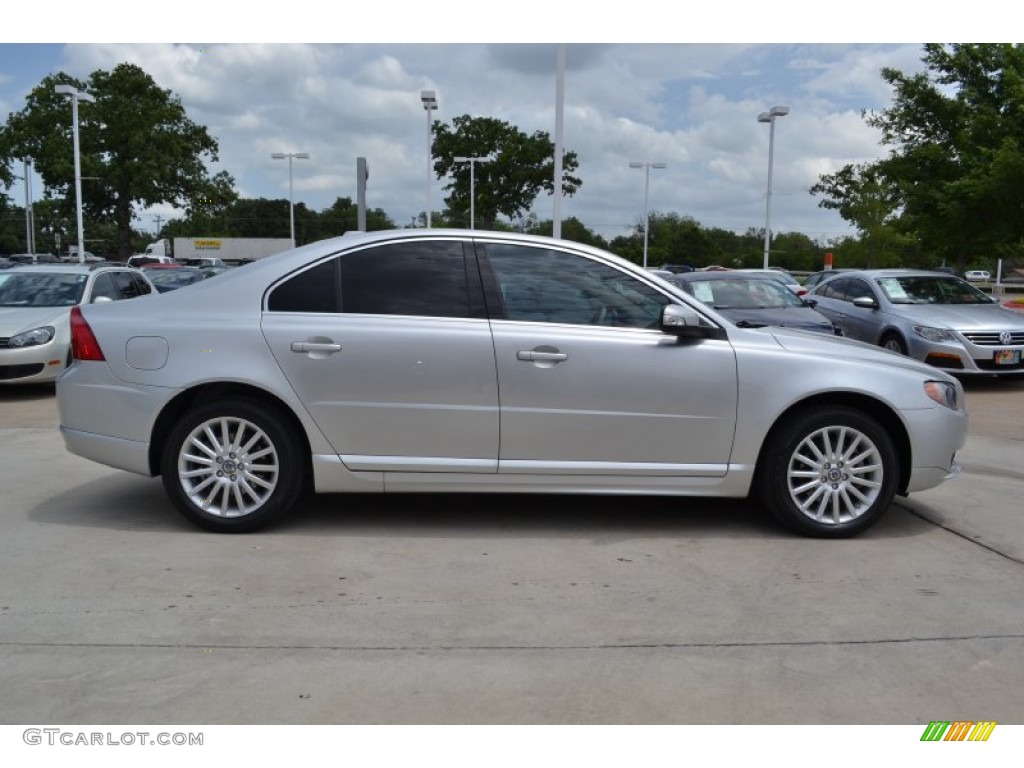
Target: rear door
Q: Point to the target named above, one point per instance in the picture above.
(390, 351)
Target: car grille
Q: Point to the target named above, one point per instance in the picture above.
(19, 371)
(991, 338)
(3, 342)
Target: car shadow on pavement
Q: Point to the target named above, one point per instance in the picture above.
(126, 502)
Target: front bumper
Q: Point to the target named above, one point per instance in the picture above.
(964, 356)
(30, 365)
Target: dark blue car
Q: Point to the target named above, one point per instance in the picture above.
(752, 301)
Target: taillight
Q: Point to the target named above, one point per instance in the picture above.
(83, 341)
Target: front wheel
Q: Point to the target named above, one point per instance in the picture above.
(894, 343)
(829, 473)
(233, 466)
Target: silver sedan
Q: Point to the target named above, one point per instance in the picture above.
(452, 360)
(930, 316)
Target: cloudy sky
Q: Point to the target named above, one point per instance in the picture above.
(688, 104)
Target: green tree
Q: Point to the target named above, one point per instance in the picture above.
(519, 168)
(952, 187)
(572, 229)
(262, 217)
(138, 148)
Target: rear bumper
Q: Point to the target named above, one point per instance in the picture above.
(117, 452)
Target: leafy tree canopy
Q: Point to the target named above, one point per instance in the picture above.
(952, 187)
(518, 169)
(138, 148)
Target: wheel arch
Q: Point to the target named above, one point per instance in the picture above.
(892, 330)
(205, 393)
(878, 410)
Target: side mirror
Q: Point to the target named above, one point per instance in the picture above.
(686, 323)
(812, 303)
(102, 300)
(865, 302)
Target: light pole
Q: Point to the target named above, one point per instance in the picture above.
(769, 117)
(76, 96)
(30, 228)
(429, 99)
(647, 188)
(291, 204)
(472, 184)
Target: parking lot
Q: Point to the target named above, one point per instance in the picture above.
(501, 609)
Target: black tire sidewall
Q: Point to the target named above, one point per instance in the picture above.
(898, 339)
(772, 475)
(291, 474)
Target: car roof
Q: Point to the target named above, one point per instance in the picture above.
(897, 273)
(72, 268)
(732, 274)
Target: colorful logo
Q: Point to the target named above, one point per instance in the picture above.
(958, 730)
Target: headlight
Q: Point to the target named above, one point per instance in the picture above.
(943, 393)
(32, 338)
(934, 334)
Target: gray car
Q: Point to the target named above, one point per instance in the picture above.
(930, 316)
(452, 360)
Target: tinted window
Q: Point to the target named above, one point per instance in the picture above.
(550, 286)
(416, 278)
(104, 286)
(314, 290)
(834, 289)
(858, 289)
(126, 282)
(141, 286)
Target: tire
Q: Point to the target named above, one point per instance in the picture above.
(894, 343)
(233, 466)
(828, 473)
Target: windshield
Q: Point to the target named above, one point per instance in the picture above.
(931, 289)
(738, 293)
(53, 289)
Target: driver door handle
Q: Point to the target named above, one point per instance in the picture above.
(315, 346)
(534, 356)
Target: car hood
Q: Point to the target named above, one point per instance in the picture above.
(14, 320)
(831, 347)
(803, 318)
(961, 317)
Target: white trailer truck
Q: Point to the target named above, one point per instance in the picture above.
(232, 250)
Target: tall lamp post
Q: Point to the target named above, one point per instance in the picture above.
(647, 189)
(429, 99)
(769, 117)
(472, 184)
(291, 202)
(30, 228)
(76, 96)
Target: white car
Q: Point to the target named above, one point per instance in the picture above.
(977, 276)
(35, 307)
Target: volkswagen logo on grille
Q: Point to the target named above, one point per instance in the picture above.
(1005, 337)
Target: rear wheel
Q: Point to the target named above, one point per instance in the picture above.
(828, 473)
(233, 466)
